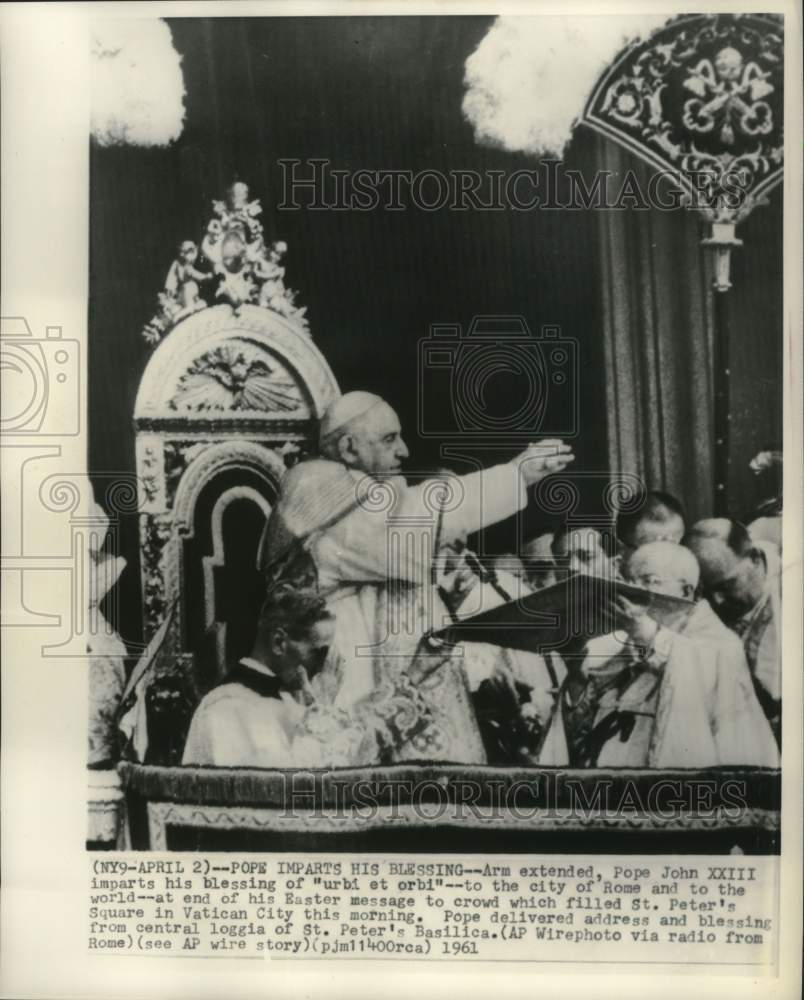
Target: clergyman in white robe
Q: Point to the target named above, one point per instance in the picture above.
(252, 721)
(690, 704)
(373, 564)
(684, 700)
(371, 541)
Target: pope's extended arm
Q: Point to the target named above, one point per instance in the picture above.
(483, 498)
(391, 534)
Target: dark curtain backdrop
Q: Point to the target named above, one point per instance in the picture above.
(657, 330)
(657, 336)
(383, 93)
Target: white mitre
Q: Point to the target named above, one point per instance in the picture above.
(343, 410)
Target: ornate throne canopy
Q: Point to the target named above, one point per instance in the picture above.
(231, 396)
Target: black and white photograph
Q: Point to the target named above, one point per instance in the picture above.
(450, 382)
(438, 397)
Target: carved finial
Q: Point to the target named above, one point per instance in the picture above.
(237, 264)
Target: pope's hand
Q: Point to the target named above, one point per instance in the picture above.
(542, 459)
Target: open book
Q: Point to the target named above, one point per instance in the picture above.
(580, 607)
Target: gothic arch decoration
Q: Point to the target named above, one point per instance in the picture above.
(208, 465)
(208, 462)
(229, 395)
(214, 564)
(216, 560)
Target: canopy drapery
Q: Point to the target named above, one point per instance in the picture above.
(657, 329)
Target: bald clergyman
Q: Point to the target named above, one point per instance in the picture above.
(742, 579)
(668, 692)
(352, 521)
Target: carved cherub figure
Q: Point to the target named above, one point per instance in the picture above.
(245, 268)
(277, 251)
(181, 284)
(272, 275)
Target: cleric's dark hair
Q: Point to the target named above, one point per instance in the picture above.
(293, 609)
(739, 540)
(657, 506)
(605, 532)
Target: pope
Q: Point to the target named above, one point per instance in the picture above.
(349, 523)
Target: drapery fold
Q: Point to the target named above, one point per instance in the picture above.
(657, 312)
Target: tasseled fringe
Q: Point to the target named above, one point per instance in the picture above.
(542, 787)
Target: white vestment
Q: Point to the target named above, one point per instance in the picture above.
(237, 726)
(703, 713)
(374, 564)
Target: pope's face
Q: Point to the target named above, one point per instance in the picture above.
(376, 442)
